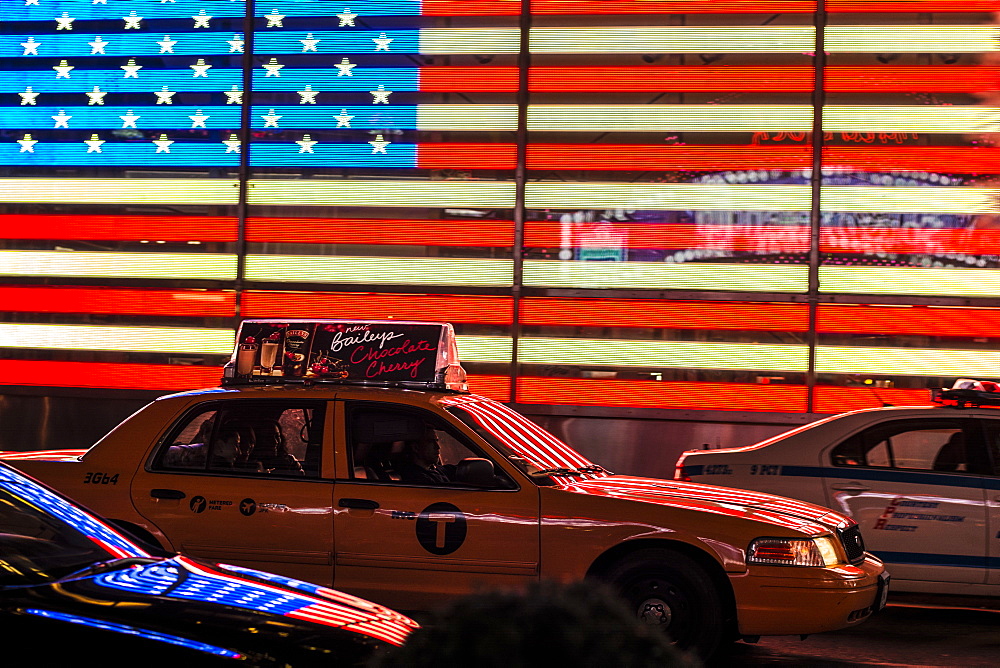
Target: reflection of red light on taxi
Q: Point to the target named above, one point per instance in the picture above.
(392, 628)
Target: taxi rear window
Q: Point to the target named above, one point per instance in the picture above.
(247, 438)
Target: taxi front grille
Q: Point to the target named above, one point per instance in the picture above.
(853, 543)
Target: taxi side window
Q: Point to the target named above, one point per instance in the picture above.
(188, 449)
(406, 447)
(252, 439)
(946, 446)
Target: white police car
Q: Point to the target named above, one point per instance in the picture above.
(923, 482)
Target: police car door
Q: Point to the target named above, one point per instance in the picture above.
(991, 428)
(412, 544)
(915, 488)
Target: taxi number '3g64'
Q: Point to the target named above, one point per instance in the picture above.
(99, 478)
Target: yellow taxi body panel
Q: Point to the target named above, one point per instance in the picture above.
(343, 520)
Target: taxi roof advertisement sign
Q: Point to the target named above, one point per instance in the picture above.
(277, 351)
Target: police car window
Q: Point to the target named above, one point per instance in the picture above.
(921, 446)
(992, 434)
(248, 439)
(389, 445)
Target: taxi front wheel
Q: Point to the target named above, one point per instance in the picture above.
(672, 592)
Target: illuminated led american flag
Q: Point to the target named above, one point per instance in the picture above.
(179, 65)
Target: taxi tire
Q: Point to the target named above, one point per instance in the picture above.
(668, 589)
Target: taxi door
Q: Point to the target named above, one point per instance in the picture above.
(915, 487)
(259, 510)
(414, 545)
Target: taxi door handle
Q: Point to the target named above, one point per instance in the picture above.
(166, 494)
(850, 487)
(360, 504)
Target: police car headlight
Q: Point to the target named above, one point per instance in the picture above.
(793, 552)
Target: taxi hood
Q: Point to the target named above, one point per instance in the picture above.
(770, 508)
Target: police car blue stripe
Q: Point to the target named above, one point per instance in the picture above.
(951, 560)
(692, 471)
(857, 473)
(886, 475)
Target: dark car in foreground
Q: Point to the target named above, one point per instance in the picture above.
(74, 588)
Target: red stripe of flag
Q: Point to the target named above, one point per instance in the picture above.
(124, 301)
(912, 79)
(53, 373)
(912, 6)
(158, 377)
(748, 79)
(450, 79)
(396, 231)
(739, 7)
(829, 399)
(378, 306)
(938, 159)
(644, 157)
(471, 7)
(666, 7)
(909, 240)
(709, 316)
(469, 156)
(547, 234)
(873, 157)
(651, 79)
(916, 320)
(670, 6)
(665, 314)
(468, 232)
(662, 394)
(771, 397)
(655, 79)
(121, 228)
(468, 309)
(542, 234)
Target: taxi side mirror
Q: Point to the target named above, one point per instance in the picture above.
(475, 471)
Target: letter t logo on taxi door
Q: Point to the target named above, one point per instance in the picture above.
(441, 528)
(442, 520)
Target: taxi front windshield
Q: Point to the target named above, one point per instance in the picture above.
(520, 440)
(44, 538)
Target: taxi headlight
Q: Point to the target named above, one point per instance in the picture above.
(793, 552)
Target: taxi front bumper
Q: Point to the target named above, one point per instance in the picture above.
(790, 601)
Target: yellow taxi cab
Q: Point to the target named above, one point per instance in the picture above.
(351, 454)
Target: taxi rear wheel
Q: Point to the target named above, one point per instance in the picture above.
(672, 592)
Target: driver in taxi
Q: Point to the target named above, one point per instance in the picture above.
(420, 460)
